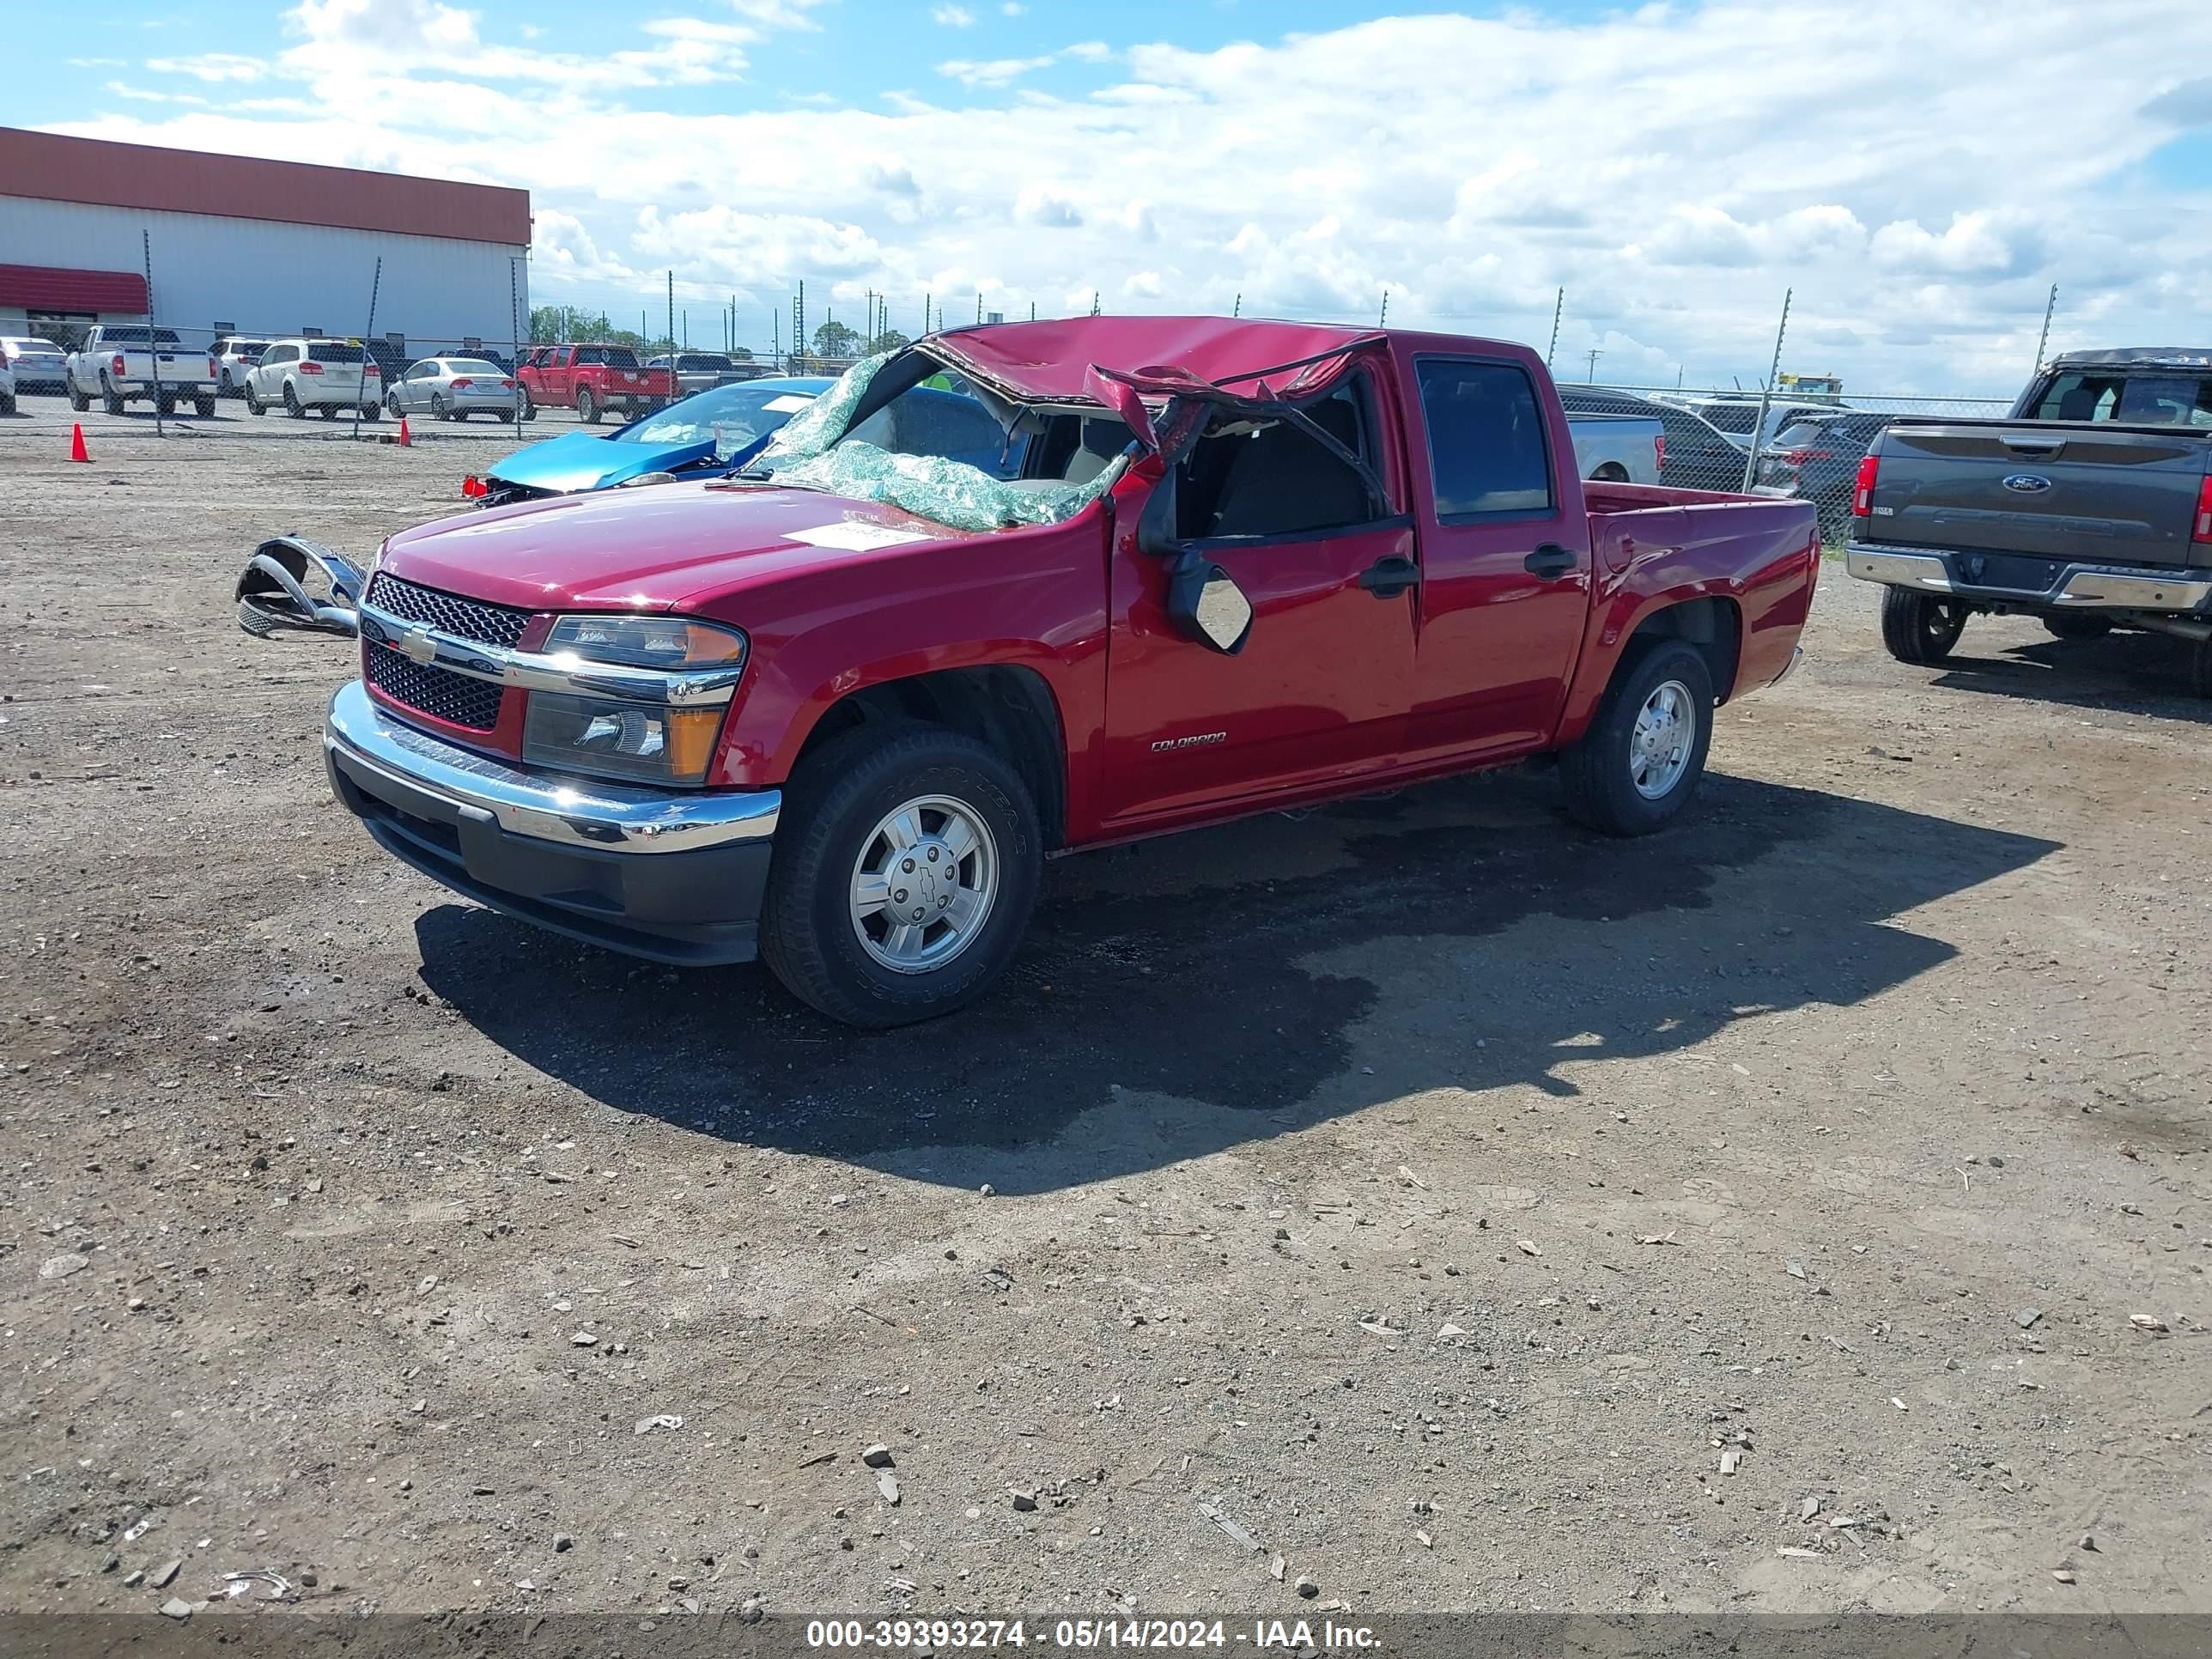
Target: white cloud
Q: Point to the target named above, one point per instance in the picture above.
(993, 72)
(1012, 8)
(1661, 163)
(211, 66)
(953, 17)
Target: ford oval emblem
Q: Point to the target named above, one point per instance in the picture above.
(2027, 483)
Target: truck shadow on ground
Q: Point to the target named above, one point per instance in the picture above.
(2131, 673)
(1267, 975)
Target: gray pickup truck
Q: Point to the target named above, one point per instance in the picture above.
(2090, 506)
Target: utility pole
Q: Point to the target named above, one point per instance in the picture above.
(1596, 352)
(2043, 339)
(1559, 306)
(1765, 395)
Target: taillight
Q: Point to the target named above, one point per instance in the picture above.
(506, 385)
(1659, 451)
(1862, 489)
(115, 364)
(2203, 530)
(1800, 457)
(371, 372)
(462, 386)
(210, 368)
(311, 366)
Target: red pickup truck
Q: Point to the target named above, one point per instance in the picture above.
(1025, 589)
(590, 380)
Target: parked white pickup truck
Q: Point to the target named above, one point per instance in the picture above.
(121, 362)
(1618, 448)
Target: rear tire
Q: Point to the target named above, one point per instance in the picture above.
(1640, 761)
(203, 406)
(2200, 668)
(329, 411)
(2078, 628)
(587, 407)
(372, 412)
(292, 403)
(110, 398)
(1919, 628)
(438, 407)
(812, 936)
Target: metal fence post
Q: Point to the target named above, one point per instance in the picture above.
(2043, 339)
(1558, 307)
(1765, 396)
(153, 340)
(376, 281)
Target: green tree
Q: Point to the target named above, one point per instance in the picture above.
(889, 340)
(833, 340)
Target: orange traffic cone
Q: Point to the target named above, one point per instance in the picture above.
(77, 451)
(405, 441)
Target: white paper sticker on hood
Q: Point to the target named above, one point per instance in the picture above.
(790, 404)
(855, 536)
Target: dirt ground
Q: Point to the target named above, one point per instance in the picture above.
(1448, 1198)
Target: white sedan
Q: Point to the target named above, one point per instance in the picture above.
(454, 388)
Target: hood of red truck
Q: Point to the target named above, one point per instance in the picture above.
(648, 549)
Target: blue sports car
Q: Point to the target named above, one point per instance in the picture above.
(710, 433)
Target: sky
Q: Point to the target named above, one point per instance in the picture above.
(1914, 173)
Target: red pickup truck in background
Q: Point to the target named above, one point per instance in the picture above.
(1023, 589)
(591, 379)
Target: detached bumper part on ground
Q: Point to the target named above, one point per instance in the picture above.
(673, 875)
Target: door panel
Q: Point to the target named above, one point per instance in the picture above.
(1319, 690)
(1505, 591)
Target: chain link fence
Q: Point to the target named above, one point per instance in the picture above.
(1797, 442)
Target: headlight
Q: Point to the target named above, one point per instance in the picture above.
(648, 741)
(648, 641)
(618, 737)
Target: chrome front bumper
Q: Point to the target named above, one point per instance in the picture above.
(672, 875)
(2078, 587)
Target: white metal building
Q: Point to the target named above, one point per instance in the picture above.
(252, 247)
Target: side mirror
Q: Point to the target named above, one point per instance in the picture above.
(1204, 603)
(273, 595)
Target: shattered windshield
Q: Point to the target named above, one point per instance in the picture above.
(735, 418)
(942, 450)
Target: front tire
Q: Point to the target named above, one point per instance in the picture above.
(253, 403)
(78, 401)
(587, 407)
(2078, 628)
(883, 823)
(529, 406)
(1639, 762)
(1919, 628)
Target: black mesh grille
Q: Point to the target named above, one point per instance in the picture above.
(449, 613)
(450, 696)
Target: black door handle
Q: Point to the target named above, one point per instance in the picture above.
(1551, 560)
(1386, 579)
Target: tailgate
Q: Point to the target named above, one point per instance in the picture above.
(2054, 490)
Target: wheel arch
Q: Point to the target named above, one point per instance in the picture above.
(1009, 706)
(1713, 623)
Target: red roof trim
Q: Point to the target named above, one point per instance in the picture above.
(55, 288)
(52, 166)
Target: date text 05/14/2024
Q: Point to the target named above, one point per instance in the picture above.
(1085, 1635)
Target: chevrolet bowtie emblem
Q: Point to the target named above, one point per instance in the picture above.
(416, 644)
